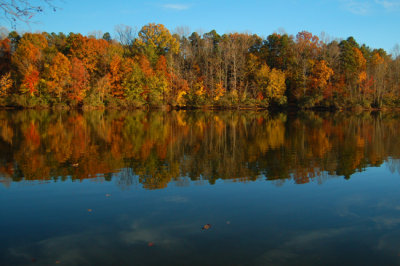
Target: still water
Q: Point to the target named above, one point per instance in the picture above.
(199, 188)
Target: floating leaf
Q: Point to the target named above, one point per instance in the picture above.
(206, 227)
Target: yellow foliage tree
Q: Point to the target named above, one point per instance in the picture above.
(5, 84)
(58, 75)
(199, 88)
(271, 82)
(320, 75)
(155, 40)
(180, 99)
(219, 91)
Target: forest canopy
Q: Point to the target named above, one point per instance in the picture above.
(157, 68)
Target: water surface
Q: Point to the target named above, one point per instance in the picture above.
(136, 188)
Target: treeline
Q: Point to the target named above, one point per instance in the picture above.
(156, 148)
(156, 68)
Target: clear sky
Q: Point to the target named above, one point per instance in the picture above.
(373, 22)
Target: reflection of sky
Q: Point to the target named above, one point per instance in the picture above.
(255, 222)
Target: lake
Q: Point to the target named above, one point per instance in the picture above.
(199, 188)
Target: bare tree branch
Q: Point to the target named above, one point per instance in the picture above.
(24, 10)
(126, 34)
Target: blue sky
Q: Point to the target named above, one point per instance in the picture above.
(374, 22)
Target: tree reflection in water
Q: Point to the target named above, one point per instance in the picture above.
(155, 148)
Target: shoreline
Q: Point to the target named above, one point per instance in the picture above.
(206, 108)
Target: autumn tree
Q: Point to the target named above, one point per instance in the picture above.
(79, 81)
(134, 84)
(5, 56)
(307, 49)
(28, 61)
(318, 81)
(58, 76)
(155, 40)
(5, 84)
(352, 65)
(156, 68)
(379, 70)
(272, 85)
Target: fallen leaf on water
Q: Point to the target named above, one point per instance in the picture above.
(150, 244)
(89, 210)
(108, 195)
(206, 227)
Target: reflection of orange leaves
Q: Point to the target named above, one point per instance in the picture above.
(115, 138)
(162, 151)
(7, 169)
(37, 163)
(84, 146)
(201, 126)
(374, 158)
(320, 142)
(32, 136)
(6, 132)
(360, 142)
(180, 119)
(219, 125)
(116, 150)
(79, 141)
(146, 148)
(59, 141)
(303, 174)
(76, 120)
(273, 135)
